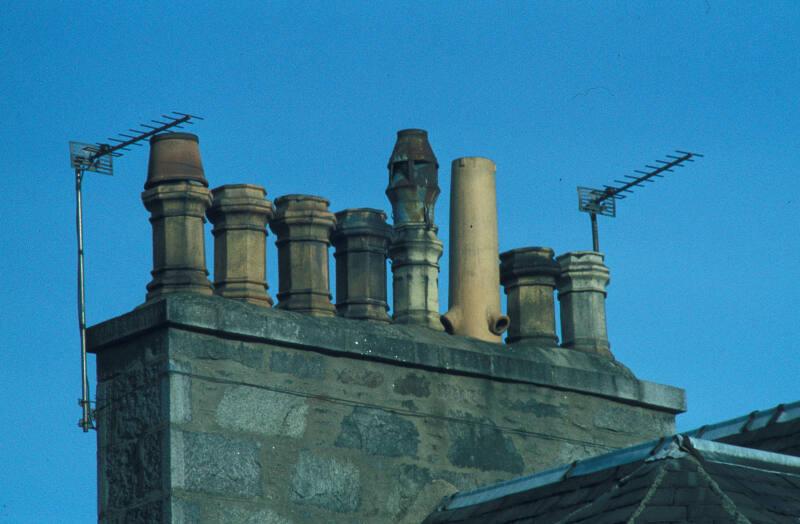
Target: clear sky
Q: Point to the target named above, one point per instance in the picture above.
(306, 97)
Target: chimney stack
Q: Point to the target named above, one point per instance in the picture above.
(303, 225)
(529, 277)
(177, 196)
(474, 291)
(582, 294)
(415, 249)
(240, 213)
(361, 239)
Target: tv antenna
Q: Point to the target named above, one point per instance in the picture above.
(603, 201)
(98, 158)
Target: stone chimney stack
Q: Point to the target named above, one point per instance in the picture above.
(582, 294)
(474, 297)
(415, 249)
(529, 277)
(177, 196)
(361, 239)
(303, 226)
(240, 213)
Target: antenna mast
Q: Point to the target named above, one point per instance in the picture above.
(603, 201)
(98, 158)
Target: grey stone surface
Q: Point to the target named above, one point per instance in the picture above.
(215, 463)
(360, 377)
(254, 410)
(378, 433)
(299, 365)
(478, 443)
(326, 482)
(405, 345)
(413, 384)
(227, 411)
(231, 514)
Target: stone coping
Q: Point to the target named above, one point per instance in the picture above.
(410, 346)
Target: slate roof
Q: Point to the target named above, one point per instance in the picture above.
(776, 429)
(677, 479)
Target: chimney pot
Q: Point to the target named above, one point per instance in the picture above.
(361, 239)
(529, 277)
(303, 225)
(240, 213)
(474, 291)
(582, 294)
(415, 250)
(175, 157)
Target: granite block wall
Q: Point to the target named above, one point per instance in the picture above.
(210, 410)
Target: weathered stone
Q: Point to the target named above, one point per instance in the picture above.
(176, 393)
(361, 239)
(198, 346)
(479, 443)
(145, 514)
(297, 364)
(229, 513)
(529, 277)
(378, 433)
(240, 213)
(211, 463)
(413, 384)
(303, 226)
(626, 420)
(184, 511)
(131, 471)
(582, 294)
(254, 410)
(415, 250)
(360, 377)
(178, 212)
(207, 363)
(326, 482)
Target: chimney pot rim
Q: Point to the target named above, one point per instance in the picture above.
(174, 136)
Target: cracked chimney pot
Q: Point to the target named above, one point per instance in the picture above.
(177, 199)
(361, 239)
(529, 276)
(414, 250)
(175, 157)
(240, 213)
(303, 225)
(582, 294)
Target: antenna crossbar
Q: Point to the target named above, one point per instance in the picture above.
(97, 158)
(602, 201)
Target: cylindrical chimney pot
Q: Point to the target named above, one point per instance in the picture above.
(415, 249)
(177, 215)
(240, 213)
(361, 239)
(582, 294)
(303, 225)
(529, 277)
(175, 157)
(474, 290)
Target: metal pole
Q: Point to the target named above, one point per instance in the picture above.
(86, 422)
(595, 236)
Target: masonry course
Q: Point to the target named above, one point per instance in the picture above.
(212, 408)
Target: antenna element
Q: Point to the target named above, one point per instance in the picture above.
(98, 158)
(603, 201)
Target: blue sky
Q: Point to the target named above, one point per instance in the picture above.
(307, 97)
